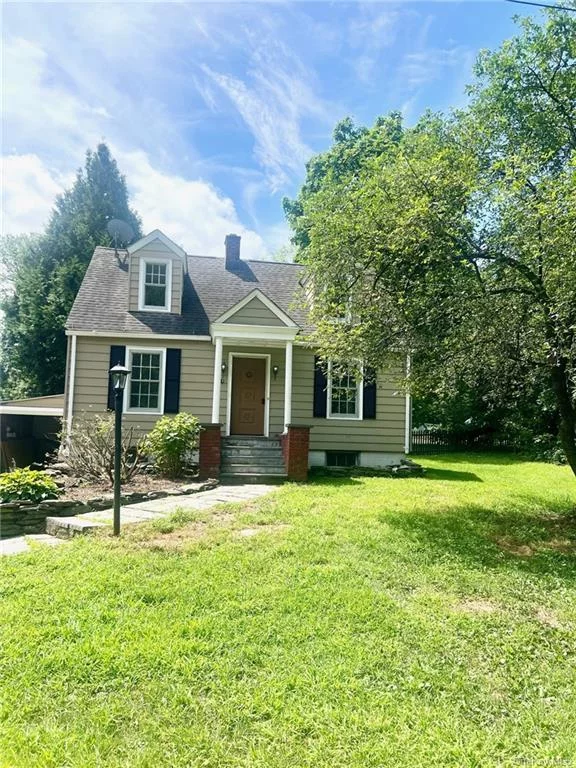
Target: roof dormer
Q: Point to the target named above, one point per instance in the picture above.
(156, 274)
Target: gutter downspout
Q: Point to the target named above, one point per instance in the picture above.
(408, 413)
(71, 382)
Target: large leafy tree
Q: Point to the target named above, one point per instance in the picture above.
(45, 273)
(455, 241)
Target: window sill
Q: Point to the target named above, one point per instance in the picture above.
(344, 418)
(142, 412)
(154, 309)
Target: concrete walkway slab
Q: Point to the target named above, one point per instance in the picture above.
(158, 508)
(18, 544)
(143, 512)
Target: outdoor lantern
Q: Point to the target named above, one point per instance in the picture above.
(275, 369)
(224, 367)
(119, 374)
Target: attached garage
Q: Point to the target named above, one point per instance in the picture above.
(29, 429)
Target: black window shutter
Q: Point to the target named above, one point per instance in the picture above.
(172, 382)
(117, 357)
(369, 394)
(320, 390)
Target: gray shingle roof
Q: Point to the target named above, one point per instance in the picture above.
(209, 290)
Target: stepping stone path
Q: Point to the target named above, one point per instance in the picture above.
(61, 528)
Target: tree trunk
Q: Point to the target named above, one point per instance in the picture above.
(567, 431)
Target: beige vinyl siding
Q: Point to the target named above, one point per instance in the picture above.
(155, 251)
(93, 361)
(255, 313)
(384, 433)
(277, 356)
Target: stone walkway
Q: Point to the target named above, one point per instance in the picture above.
(147, 510)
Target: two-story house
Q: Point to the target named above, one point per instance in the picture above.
(224, 338)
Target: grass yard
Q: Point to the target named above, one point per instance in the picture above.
(346, 623)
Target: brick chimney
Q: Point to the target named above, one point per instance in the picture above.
(232, 243)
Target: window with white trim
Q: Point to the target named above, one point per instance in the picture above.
(344, 395)
(145, 383)
(155, 285)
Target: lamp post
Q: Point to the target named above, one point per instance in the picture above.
(119, 374)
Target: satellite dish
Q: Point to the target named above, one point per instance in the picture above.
(121, 232)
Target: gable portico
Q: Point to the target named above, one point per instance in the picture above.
(254, 323)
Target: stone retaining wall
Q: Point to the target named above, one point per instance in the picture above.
(19, 518)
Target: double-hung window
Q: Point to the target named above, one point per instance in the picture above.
(145, 383)
(155, 285)
(344, 395)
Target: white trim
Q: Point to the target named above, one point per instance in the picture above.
(408, 412)
(217, 385)
(143, 336)
(268, 303)
(155, 351)
(288, 385)
(231, 356)
(359, 399)
(142, 288)
(156, 235)
(71, 383)
(30, 410)
(253, 332)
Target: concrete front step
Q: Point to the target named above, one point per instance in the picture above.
(250, 442)
(67, 527)
(244, 458)
(245, 450)
(248, 469)
(236, 478)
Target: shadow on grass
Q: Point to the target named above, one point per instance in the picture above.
(471, 457)
(451, 474)
(542, 543)
(320, 479)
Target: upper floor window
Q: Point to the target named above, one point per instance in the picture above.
(155, 285)
(344, 395)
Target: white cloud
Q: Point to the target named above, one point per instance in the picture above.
(190, 211)
(424, 66)
(28, 192)
(370, 33)
(193, 213)
(273, 99)
(60, 125)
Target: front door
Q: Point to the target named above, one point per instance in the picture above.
(248, 395)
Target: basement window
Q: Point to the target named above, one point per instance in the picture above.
(342, 458)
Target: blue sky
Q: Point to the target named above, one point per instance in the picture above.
(213, 109)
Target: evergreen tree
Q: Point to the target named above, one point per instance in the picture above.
(46, 273)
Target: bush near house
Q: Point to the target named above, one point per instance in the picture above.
(27, 484)
(170, 442)
(90, 449)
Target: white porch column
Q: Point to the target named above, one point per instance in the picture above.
(288, 386)
(217, 381)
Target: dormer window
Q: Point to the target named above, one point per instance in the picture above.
(155, 285)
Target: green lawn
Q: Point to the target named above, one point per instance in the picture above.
(354, 622)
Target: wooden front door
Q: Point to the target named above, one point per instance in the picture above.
(248, 395)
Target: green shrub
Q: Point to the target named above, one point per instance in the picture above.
(170, 441)
(27, 485)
